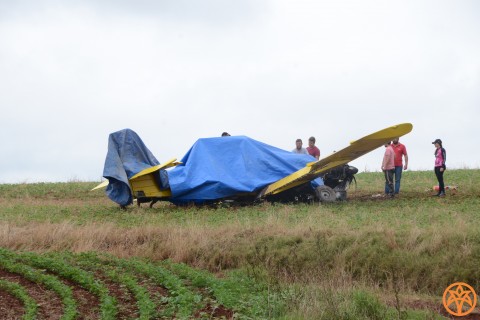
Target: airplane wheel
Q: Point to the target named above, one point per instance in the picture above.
(325, 194)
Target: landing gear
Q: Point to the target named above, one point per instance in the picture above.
(325, 194)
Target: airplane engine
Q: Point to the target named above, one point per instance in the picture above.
(339, 179)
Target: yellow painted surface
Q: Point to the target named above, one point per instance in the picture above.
(144, 181)
(170, 163)
(101, 185)
(356, 149)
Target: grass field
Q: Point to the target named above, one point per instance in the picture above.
(366, 258)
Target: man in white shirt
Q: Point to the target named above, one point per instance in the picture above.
(299, 148)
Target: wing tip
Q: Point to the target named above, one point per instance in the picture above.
(101, 185)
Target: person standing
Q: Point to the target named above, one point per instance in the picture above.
(440, 159)
(299, 147)
(312, 149)
(400, 152)
(388, 168)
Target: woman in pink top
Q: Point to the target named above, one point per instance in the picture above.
(440, 159)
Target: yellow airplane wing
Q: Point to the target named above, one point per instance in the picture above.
(353, 151)
(170, 163)
(101, 185)
(145, 183)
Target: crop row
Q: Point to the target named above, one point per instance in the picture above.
(160, 290)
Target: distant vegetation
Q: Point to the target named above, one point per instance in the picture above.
(367, 258)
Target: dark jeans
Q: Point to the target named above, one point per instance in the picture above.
(389, 181)
(398, 177)
(439, 175)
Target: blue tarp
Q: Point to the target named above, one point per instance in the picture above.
(220, 167)
(213, 168)
(127, 155)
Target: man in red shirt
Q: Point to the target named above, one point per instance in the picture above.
(400, 151)
(312, 149)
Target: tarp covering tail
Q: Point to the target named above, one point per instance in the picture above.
(127, 155)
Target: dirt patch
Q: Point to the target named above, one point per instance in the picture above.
(156, 294)
(475, 315)
(127, 308)
(88, 305)
(214, 312)
(49, 304)
(10, 307)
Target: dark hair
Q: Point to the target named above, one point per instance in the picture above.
(298, 140)
(225, 134)
(438, 141)
(311, 139)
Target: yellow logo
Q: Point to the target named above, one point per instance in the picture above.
(458, 296)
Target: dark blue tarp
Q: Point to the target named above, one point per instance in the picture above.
(127, 155)
(220, 167)
(213, 168)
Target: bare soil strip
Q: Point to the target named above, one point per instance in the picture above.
(50, 306)
(127, 307)
(10, 307)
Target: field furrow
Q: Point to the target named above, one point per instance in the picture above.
(78, 256)
(26, 309)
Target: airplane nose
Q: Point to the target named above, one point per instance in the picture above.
(352, 170)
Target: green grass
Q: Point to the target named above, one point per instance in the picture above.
(353, 303)
(92, 206)
(9, 263)
(18, 291)
(60, 190)
(251, 300)
(417, 243)
(189, 290)
(92, 263)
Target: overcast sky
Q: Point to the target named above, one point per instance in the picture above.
(72, 72)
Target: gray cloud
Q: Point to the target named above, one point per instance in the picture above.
(175, 71)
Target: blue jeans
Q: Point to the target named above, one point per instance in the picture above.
(398, 177)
